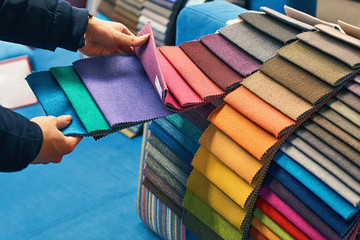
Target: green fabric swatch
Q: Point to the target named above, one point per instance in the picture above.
(185, 126)
(210, 217)
(273, 226)
(80, 98)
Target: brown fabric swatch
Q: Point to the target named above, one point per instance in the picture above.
(339, 35)
(296, 79)
(322, 65)
(269, 25)
(349, 99)
(277, 95)
(218, 71)
(334, 142)
(354, 87)
(349, 29)
(336, 48)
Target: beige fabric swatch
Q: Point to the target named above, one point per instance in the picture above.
(345, 110)
(349, 29)
(322, 65)
(339, 35)
(277, 95)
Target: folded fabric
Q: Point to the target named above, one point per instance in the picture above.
(297, 80)
(349, 29)
(290, 214)
(298, 206)
(273, 226)
(195, 117)
(322, 65)
(272, 26)
(185, 126)
(291, 21)
(258, 111)
(221, 74)
(248, 135)
(350, 99)
(330, 197)
(223, 177)
(230, 153)
(282, 221)
(54, 101)
(209, 217)
(336, 48)
(277, 95)
(329, 152)
(256, 43)
(345, 110)
(263, 229)
(354, 87)
(256, 234)
(235, 57)
(339, 35)
(216, 199)
(339, 224)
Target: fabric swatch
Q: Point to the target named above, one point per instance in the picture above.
(345, 111)
(290, 214)
(341, 206)
(263, 229)
(325, 162)
(258, 111)
(339, 35)
(235, 57)
(80, 98)
(273, 226)
(277, 95)
(207, 215)
(216, 199)
(286, 19)
(329, 152)
(322, 65)
(349, 29)
(271, 26)
(349, 99)
(250, 136)
(282, 221)
(195, 78)
(197, 119)
(115, 88)
(185, 126)
(221, 74)
(256, 43)
(354, 87)
(339, 224)
(223, 177)
(54, 101)
(297, 80)
(256, 234)
(300, 207)
(305, 18)
(336, 48)
(230, 153)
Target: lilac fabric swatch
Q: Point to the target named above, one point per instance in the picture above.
(121, 89)
(240, 61)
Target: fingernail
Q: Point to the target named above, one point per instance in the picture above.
(68, 118)
(145, 36)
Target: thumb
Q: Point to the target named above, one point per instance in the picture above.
(133, 41)
(63, 121)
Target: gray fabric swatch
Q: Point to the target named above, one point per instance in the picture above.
(271, 26)
(291, 21)
(326, 163)
(321, 173)
(334, 47)
(256, 43)
(345, 111)
(349, 99)
(340, 121)
(333, 141)
(339, 35)
(354, 87)
(329, 152)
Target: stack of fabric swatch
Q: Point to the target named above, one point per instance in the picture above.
(128, 12)
(162, 14)
(107, 7)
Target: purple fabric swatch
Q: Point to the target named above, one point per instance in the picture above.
(240, 61)
(121, 89)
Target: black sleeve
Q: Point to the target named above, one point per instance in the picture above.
(43, 24)
(20, 141)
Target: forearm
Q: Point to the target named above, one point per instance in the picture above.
(44, 24)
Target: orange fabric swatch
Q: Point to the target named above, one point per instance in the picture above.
(259, 111)
(247, 134)
(202, 85)
(223, 177)
(216, 199)
(230, 153)
(263, 229)
(256, 234)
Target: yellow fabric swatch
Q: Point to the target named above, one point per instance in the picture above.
(263, 229)
(247, 134)
(216, 199)
(223, 177)
(230, 153)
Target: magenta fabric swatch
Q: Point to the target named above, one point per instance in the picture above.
(235, 57)
(121, 89)
(290, 214)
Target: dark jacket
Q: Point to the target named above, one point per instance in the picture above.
(43, 24)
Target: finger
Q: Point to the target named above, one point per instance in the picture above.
(133, 41)
(71, 143)
(63, 121)
(127, 31)
(126, 49)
